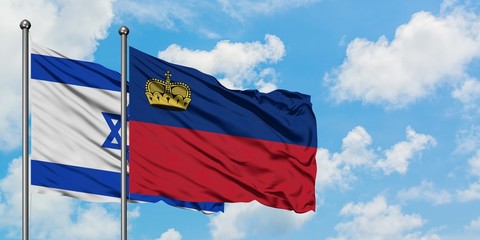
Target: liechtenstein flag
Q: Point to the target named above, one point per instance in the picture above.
(194, 140)
(75, 123)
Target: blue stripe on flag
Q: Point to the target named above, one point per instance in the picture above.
(74, 72)
(99, 182)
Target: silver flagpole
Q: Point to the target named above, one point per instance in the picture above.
(123, 31)
(25, 26)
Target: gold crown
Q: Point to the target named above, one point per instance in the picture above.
(171, 95)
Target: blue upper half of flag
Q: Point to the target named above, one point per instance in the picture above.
(279, 116)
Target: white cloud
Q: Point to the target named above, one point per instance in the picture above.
(398, 157)
(357, 152)
(468, 139)
(243, 219)
(11, 196)
(474, 163)
(470, 194)
(448, 5)
(241, 10)
(471, 231)
(52, 217)
(170, 234)
(169, 14)
(134, 213)
(62, 25)
(425, 191)
(91, 222)
(58, 24)
(331, 171)
(239, 71)
(378, 220)
(420, 236)
(473, 226)
(164, 13)
(337, 168)
(411, 66)
(468, 93)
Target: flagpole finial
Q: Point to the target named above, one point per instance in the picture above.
(123, 30)
(26, 24)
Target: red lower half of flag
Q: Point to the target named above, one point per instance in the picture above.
(200, 166)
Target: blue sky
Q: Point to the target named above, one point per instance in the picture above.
(395, 89)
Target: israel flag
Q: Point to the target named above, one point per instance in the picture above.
(75, 131)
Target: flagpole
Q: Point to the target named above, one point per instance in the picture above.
(123, 31)
(25, 26)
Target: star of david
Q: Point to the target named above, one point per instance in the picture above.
(113, 140)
